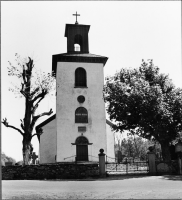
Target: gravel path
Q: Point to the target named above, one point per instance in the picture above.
(146, 187)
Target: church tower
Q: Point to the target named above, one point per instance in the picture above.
(78, 130)
(80, 108)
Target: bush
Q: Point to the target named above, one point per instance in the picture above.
(5, 158)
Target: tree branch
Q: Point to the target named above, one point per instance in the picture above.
(34, 92)
(35, 134)
(22, 90)
(22, 124)
(36, 106)
(41, 95)
(45, 113)
(35, 118)
(38, 132)
(10, 126)
(24, 74)
(30, 64)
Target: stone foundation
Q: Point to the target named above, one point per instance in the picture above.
(50, 171)
(163, 167)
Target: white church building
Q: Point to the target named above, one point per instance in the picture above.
(79, 129)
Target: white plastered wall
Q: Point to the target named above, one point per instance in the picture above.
(110, 144)
(67, 129)
(48, 143)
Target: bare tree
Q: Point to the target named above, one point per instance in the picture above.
(33, 87)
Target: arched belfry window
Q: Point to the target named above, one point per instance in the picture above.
(76, 47)
(78, 42)
(80, 77)
(81, 115)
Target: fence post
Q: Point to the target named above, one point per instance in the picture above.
(178, 150)
(75, 160)
(102, 169)
(152, 165)
(180, 165)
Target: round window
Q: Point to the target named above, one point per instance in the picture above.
(81, 99)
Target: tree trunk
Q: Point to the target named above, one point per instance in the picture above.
(165, 151)
(26, 151)
(26, 160)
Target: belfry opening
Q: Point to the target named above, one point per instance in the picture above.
(78, 43)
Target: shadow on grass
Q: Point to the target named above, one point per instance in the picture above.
(172, 177)
(108, 178)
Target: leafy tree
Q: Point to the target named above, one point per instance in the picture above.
(5, 158)
(33, 88)
(134, 146)
(146, 103)
(129, 148)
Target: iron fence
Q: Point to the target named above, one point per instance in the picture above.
(90, 158)
(126, 167)
(71, 158)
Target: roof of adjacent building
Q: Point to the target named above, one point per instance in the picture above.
(54, 117)
(82, 55)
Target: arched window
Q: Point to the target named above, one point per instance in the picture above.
(81, 115)
(80, 77)
(77, 47)
(81, 140)
(78, 41)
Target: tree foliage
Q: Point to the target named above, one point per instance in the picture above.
(146, 103)
(136, 147)
(33, 87)
(5, 158)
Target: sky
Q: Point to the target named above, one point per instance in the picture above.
(124, 31)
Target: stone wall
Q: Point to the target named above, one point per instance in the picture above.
(163, 167)
(50, 171)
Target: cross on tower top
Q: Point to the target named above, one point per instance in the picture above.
(76, 17)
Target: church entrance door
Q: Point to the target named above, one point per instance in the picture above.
(82, 149)
(82, 152)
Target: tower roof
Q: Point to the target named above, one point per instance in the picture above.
(77, 46)
(77, 57)
(71, 27)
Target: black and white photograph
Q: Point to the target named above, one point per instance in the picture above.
(91, 100)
